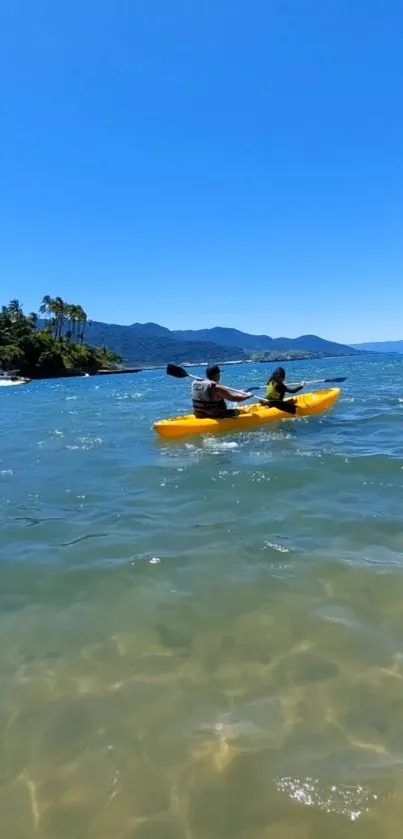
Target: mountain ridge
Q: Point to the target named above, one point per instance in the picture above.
(264, 343)
(136, 346)
(150, 343)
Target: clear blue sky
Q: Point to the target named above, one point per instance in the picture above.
(231, 162)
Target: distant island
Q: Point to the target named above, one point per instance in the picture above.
(62, 341)
(58, 349)
(381, 346)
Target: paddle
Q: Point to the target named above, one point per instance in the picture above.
(180, 373)
(336, 380)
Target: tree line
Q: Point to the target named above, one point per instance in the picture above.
(56, 350)
(64, 319)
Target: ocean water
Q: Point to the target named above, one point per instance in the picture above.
(201, 640)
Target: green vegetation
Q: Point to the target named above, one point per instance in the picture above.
(57, 350)
(65, 319)
(288, 355)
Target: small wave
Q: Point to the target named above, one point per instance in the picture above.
(6, 472)
(308, 453)
(219, 445)
(124, 396)
(275, 546)
(141, 558)
(259, 476)
(83, 538)
(90, 442)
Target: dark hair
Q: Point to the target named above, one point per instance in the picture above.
(212, 371)
(278, 375)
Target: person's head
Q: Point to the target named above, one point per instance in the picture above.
(213, 373)
(279, 374)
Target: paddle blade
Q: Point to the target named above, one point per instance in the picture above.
(177, 372)
(339, 379)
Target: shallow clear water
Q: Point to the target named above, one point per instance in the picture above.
(202, 639)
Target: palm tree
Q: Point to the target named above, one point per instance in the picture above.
(73, 313)
(46, 306)
(47, 309)
(69, 313)
(82, 322)
(77, 318)
(59, 311)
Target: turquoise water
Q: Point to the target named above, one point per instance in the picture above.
(202, 639)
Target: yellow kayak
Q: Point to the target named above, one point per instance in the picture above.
(249, 418)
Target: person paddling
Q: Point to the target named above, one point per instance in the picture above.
(208, 396)
(276, 390)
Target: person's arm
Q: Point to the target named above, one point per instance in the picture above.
(295, 389)
(222, 392)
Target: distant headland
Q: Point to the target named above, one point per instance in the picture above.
(54, 348)
(61, 341)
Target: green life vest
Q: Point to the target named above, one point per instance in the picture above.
(272, 392)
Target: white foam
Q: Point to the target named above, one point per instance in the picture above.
(219, 445)
(275, 546)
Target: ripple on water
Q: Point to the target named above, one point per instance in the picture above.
(204, 639)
